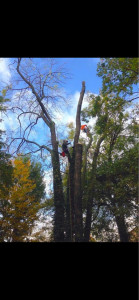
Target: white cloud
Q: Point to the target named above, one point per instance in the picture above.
(5, 73)
(48, 181)
(70, 114)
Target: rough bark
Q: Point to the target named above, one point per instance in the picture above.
(58, 190)
(84, 167)
(122, 229)
(73, 168)
(71, 194)
(68, 221)
(120, 221)
(91, 192)
(78, 195)
(78, 123)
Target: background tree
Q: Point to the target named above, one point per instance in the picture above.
(6, 169)
(23, 203)
(41, 88)
(119, 76)
(112, 124)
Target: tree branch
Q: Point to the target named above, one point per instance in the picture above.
(78, 123)
(23, 140)
(49, 121)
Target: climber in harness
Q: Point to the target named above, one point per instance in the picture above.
(84, 128)
(65, 148)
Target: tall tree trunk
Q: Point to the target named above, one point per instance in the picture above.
(120, 221)
(89, 211)
(71, 194)
(91, 192)
(78, 195)
(58, 190)
(122, 229)
(73, 168)
(84, 169)
(68, 220)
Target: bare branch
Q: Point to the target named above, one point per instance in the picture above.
(132, 99)
(49, 121)
(23, 140)
(78, 123)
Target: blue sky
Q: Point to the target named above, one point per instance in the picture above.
(81, 69)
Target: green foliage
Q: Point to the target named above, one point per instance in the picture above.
(71, 131)
(119, 75)
(37, 174)
(116, 185)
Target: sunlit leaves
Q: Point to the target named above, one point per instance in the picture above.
(118, 74)
(22, 208)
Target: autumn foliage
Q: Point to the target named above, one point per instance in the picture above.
(20, 209)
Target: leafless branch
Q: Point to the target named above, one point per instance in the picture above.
(132, 99)
(23, 140)
(78, 123)
(49, 121)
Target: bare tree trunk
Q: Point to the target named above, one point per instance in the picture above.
(58, 190)
(68, 221)
(84, 171)
(120, 221)
(78, 195)
(91, 192)
(124, 236)
(73, 169)
(71, 194)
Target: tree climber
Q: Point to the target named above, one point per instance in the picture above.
(84, 128)
(65, 148)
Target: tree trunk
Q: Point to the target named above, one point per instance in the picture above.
(124, 236)
(78, 195)
(89, 212)
(84, 170)
(58, 191)
(73, 168)
(91, 192)
(71, 194)
(68, 215)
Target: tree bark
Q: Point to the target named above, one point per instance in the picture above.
(91, 192)
(78, 123)
(78, 195)
(71, 194)
(84, 167)
(73, 168)
(120, 221)
(68, 221)
(122, 229)
(58, 190)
